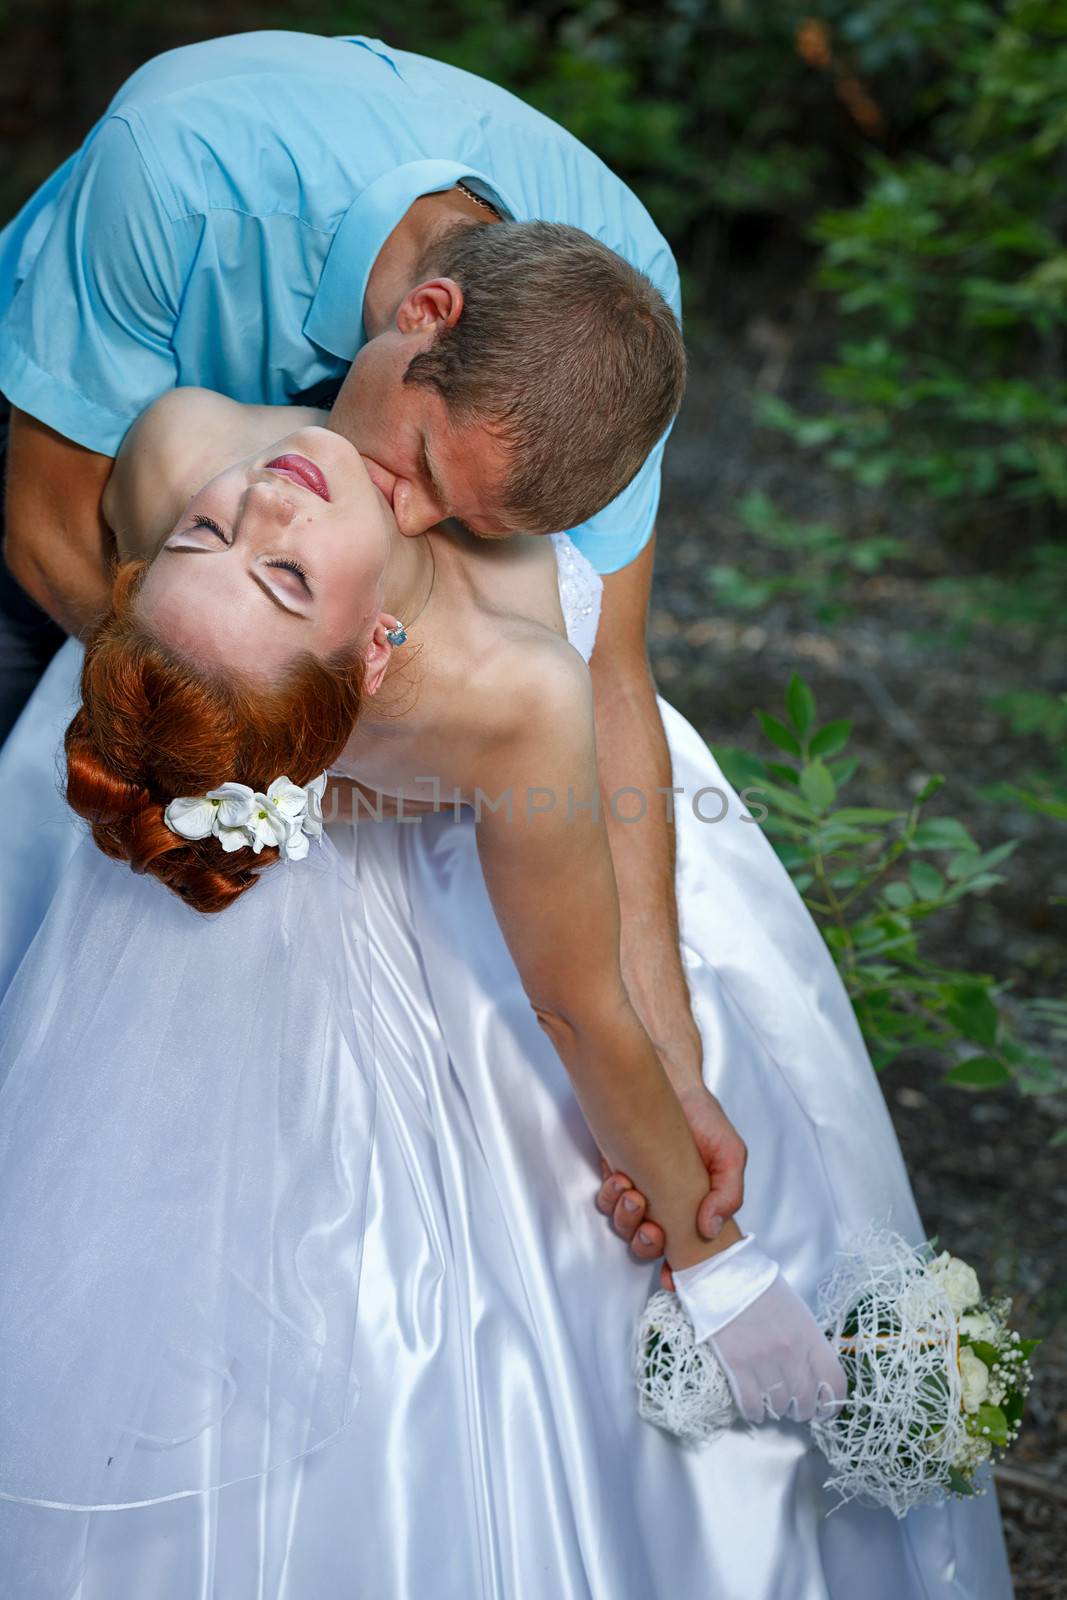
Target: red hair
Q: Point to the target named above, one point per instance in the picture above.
(153, 725)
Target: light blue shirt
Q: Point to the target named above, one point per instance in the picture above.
(219, 224)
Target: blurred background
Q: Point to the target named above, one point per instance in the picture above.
(861, 574)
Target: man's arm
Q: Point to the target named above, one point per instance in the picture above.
(57, 544)
(633, 754)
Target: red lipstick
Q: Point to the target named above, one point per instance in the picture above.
(301, 471)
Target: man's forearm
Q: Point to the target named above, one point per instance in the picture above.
(633, 755)
(57, 545)
(75, 598)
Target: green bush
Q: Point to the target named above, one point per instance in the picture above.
(873, 878)
(816, 561)
(951, 275)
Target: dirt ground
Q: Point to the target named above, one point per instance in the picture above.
(986, 1180)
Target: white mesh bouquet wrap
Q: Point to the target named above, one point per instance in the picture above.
(936, 1378)
(895, 1331)
(680, 1384)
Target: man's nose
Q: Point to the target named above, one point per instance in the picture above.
(415, 511)
(382, 479)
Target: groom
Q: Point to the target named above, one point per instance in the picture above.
(490, 312)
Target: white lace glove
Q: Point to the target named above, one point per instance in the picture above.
(768, 1344)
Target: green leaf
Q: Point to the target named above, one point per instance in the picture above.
(984, 1351)
(972, 1011)
(843, 769)
(959, 1484)
(800, 703)
(968, 865)
(817, 786)
(783, 773)
(979, 1072)
(930, 787)
(865, 814)
(898, 895)
(1028, 1346)
(741, 767)
(926, 880)
(829, 740)
(993, 1418)
(942, 833)
(779, 734)
(834, 837)
(776, 798)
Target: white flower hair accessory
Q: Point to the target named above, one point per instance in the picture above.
(287, 816)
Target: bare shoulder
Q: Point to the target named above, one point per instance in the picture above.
(536, 694)
(200, 411)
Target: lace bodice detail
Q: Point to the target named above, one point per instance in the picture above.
(580, 591)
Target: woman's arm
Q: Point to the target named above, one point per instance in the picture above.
(547, 865)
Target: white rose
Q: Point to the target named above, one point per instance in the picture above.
(974, 1375)
(959, 1281)
(980, 1325)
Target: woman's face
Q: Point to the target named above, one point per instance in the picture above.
(282, 553)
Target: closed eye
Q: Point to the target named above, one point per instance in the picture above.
(287, 562)
(206, 522)
(292, 566)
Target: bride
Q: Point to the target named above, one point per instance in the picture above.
(297, 1195)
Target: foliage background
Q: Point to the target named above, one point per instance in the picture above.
(861, 535)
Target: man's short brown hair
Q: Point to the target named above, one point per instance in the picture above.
(565, 351)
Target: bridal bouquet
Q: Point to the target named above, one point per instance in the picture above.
(936, 1378)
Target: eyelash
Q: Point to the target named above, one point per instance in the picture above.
(287, 563)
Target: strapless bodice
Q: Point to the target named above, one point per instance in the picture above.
(580, 591)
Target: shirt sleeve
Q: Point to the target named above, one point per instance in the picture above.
(617, 534)
(86, 342)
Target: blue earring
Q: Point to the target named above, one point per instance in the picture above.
(397, 635)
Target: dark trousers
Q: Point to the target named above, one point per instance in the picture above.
(28, 637)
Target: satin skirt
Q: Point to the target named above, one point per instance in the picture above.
(496, 1452)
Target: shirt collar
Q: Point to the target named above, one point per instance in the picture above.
(335, 319)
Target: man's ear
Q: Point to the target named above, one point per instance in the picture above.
(430, 306)
(379, 652)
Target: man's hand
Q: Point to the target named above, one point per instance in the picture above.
(724, 1154)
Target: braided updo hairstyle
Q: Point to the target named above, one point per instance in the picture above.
(153, 725)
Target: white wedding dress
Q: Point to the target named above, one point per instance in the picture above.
(203, 1158)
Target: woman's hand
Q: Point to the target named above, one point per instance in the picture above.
(724, 1154)
(776, 1358)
